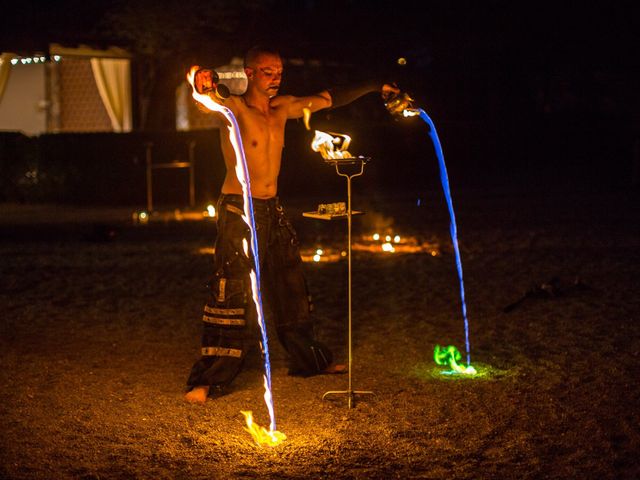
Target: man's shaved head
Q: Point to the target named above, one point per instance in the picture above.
(256, 52)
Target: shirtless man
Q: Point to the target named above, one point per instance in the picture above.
(229, 318)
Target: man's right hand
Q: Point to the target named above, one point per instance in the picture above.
(206, 83)
(205, 80)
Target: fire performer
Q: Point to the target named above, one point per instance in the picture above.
(229, 319)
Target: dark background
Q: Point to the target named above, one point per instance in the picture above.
(525, 96)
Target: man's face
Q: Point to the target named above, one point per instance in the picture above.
(265, 74)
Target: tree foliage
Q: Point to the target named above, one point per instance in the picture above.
(168, 37)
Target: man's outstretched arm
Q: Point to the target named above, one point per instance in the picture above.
(343, 95)
(338, 97)
(296, 106)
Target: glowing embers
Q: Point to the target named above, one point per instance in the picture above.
(394, 243)
(450, 356)
(322, 255)
(261, 435)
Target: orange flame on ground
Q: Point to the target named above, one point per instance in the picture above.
(332, 146)
(261, 435)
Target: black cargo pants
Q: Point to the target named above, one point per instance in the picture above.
(230, 325)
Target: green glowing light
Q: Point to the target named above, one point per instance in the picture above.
(450, 356)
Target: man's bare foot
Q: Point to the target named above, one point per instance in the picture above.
(197, 394)
(336, 368)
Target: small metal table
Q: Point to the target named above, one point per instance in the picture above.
(348, 168)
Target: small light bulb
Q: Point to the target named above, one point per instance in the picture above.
(396, 239)
(376, 237)
(319, 251)
(316, 258)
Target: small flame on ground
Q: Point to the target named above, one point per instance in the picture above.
(321, 255)
(261, 435)
(451, 356)
(211, 211)
(387, 247)
(394, 243)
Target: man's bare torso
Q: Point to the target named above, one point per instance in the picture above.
(261, 115)
(263, 141)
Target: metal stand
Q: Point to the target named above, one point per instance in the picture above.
(177, 164)
(357, 166)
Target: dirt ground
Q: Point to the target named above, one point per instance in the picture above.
(100, 326)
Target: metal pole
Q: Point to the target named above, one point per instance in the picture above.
(349, 392)
(349, 280)
(192, 186)
(149, 145)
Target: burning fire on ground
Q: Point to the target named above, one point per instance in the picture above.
(322, 255)
(261, 435)
(394, 243)
(450, 356)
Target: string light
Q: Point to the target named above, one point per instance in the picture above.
(34, 59)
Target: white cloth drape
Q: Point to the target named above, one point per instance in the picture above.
(113, 80)
(5, 70)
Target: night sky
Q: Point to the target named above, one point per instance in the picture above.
(535, 36)
(559, 70)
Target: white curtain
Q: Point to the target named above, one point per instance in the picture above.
(114, 84)
(5, 70)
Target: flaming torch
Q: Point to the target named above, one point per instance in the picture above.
(207, 82)
(332, 146)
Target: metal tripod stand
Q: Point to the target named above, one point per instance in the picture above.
(349, 168)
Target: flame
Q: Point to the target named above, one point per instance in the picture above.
(411, 112)
(320, 255)
(451, 356)
(332, 146)
(261, 435)
(242, 174)
(306, 116)
(387, 247)
(394, 243)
